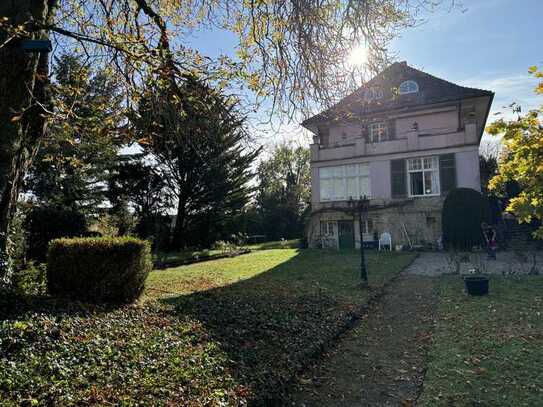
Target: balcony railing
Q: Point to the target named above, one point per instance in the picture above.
(411, 141)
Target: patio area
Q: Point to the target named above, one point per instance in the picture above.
(506, 263)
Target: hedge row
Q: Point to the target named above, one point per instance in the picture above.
(98, 269)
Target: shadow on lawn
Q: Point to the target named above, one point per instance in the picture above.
(268, 327)
(273, 324)
(17, 306)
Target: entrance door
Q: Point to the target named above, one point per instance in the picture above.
(346, 234)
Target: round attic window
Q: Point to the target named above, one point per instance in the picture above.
(408, 87)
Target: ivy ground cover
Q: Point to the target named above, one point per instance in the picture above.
(225, 332)
(487, 351)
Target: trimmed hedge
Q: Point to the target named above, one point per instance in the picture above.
(98, 269)
(464, 210)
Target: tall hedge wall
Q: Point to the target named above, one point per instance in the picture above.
(464, 210)
(98, 269)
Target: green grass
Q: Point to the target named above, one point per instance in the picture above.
(277, 244)
(226, 331)
(212, 274)
(181, 256)
(185, 255)
(296, 271)
(487, 351)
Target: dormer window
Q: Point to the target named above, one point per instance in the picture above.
(408, 87)
(373, 94)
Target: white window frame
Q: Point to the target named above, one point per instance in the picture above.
(434, 168)
(328, 228)
(407, 87)
(340, 175)
(378, 132)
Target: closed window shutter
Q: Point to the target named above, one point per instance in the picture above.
(391, 129)
(447, 173)
(364, 132)
(398, 178)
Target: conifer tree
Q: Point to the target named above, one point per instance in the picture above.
(199, 142)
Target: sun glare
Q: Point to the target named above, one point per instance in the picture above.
(358, 56)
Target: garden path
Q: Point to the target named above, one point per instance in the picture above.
(507, 262)
(381, 362)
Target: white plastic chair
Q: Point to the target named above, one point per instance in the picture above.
(385, 240)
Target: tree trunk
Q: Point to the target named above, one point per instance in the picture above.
(23, 81)
(179, 238)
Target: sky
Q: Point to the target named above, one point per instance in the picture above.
(489, 44)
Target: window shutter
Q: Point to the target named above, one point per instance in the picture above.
(398, 178)
(364, 132)
(447, 173)
(391, 129)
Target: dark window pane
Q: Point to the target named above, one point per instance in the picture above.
(417, 185)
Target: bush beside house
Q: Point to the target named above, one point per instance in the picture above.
(464, 210)
(107, 269)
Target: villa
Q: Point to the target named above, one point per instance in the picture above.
(403, 140)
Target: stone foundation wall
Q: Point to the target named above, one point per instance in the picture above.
(419, 217)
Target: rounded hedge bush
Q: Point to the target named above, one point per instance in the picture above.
(98, 269)
(464, 210)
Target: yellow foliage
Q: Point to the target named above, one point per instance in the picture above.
(522, 160)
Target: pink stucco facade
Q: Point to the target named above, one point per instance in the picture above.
(433, 145)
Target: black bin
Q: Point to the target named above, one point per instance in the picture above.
(476, 285)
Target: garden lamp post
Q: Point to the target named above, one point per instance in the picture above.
(360, 206)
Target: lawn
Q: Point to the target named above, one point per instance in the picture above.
(222, 332)
(487, 351)
(180, 257)
(300, 271)
(276, 244)
(212, 274)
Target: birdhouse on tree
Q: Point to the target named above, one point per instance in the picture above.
(36, 46)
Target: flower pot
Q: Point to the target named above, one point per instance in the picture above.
(476, 285)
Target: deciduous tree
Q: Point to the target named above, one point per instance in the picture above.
(293, 52)
(521, 161)
(284, 191)
(72, 165)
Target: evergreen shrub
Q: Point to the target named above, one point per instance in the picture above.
(98, 269)
(464, 210)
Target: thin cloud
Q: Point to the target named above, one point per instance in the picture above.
(508, 89)
(505, 85)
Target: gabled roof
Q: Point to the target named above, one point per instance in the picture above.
(431, 90)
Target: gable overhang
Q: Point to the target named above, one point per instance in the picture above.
(434, 92)
(489, 105)
(314, 122)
